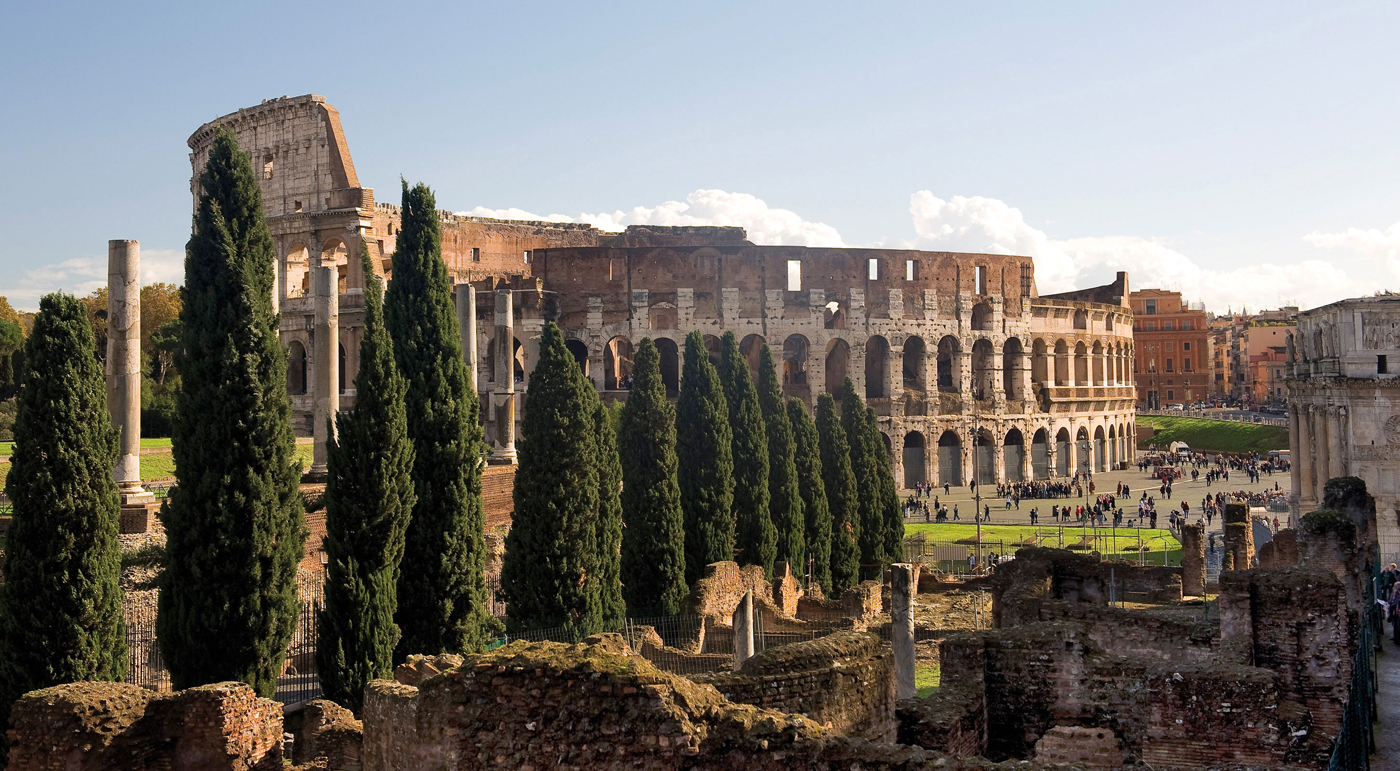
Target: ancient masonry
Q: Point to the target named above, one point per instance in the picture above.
(954, 351)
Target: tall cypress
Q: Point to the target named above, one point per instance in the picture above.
(549, 577)
(784, 501)
(442, 581)
(892, 525)
(841, 496)
(61, 605)
(653, 537)
(233, 522)
(808, 463)
(369, 499)
(756, 540)
(703, 449)
(609, 469)
(866, 468)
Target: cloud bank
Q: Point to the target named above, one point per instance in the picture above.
(81, 275)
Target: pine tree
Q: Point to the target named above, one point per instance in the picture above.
(866, 468)
(369, 499)
(892, 527)
(784, 501)
(442, 581)
(233, 522)
(653, 538)
(61, 605)
(841, 497)
(756, 540)
(808, 463)
(609, 469)
(549, 578)
(703, 449)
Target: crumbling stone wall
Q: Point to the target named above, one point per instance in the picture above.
(1239, 535)
(1193, 561)
(115, 726)
(1020, 587)
(1161, 635)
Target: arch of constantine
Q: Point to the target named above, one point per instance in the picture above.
(972, 372)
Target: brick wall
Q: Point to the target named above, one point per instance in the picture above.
(498, 495)
(1193, 560)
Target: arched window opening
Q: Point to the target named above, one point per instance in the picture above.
(913, 363)
(617, 366)
(580, 351)
(949, 364)
(877, 368)
(795, 360)
(914, 459)
(838, 355)
(296, 368)
(670, 364)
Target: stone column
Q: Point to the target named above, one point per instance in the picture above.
(504, 396)
(1027, 460)
(965, 378)
(743, 630)
(466, 327)
(1294, 474)
(1193, 561)
(1052, 454)
(1239, 534)
(326, 284)
(998, 462)
(1321, 450)
(1336, 423)
(124, 366)
(902, 628)
(1303, 456)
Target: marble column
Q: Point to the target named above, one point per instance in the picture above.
(743, 630)
(124, 365)
(504, 396)
(326, 283)
(902, 628)
(466, 328)
(1336, 464)
(1303, 456)
(1321, 450)
(998, 463)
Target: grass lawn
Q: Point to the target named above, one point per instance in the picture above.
(1004, 539)
(926, 678)
(1214, 435)
(158, 466)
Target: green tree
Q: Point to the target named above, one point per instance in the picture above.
(892, 517)
(61, 604)
(653, 537)
(369, 500)
(704, 448)
(784, 501)
(756, 540)
(442, 580)
(233, 522)
(549, 577)
(11, 341)
(841, 496)
(609, 468)
(871, 537)
(808, 463)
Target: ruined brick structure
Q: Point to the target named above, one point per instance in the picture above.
(932, 339)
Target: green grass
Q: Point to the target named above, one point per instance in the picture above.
(157, 466)
(927, 675)
(1214, 435)
(1005, 537)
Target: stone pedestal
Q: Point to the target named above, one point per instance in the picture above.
(902, 628)
(1193, 561)
(327, 351)
(124, 366)
(743, 630)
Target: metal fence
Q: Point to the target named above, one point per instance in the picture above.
(1355, 742)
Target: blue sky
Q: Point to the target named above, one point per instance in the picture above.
(1244, 153)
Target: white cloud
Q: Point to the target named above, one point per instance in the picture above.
(1372, 244)
(81, 275)
(765, 225)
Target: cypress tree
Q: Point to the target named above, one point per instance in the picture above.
(784, 501)
(609, 469)
(808, 462)
(233, 522)
(61, 605)
(442, 581)
(549, 577)
(756, 540)
(369, 499)
(892, 527)
(866, 468)
(703, 448)
(653, 539)
(840, 483)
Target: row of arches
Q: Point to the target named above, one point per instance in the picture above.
(1007, 459)
(295, 278)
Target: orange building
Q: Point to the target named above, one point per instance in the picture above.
(1172, 364)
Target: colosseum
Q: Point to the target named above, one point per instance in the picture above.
(953, 351)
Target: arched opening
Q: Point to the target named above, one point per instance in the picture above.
(1081, 320)
(1098, 363)
(1112, 444)
(1061, 363)
(335, 254)
(877, 367)
(340, 368)
(670, 361)
(949, 459)
(1100, 451)
(833, 317)
(580, 351)
(838, 355)
(296, 368)
(913, 459)
(751, 348)
(913, 362)
(985, 457)
(1013, 362)
(795, 360)
(1081, 364)
(1014, 455)
(617, 365)
(949, 364)
(982, 373)
(297, 272)
(982, 317)
(1062, 452)
(518, 363)
(1108, 322)
(1040, 455)
(712, 346)
(1086, 451)
(1040, 362)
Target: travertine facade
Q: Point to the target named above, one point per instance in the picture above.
(952, 350)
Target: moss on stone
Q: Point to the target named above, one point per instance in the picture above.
(1329, 520)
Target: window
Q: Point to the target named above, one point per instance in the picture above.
(1027, 276)
(1108, 322)
(1151, 326)
(1185, 346)
(328, 203)
(1171, 395)
(476, 254)
(1186, 364)
(981, 279)
(1149, 307)
(911, 270)
(1186, 325)
(1169, 364)
(527, 256)
(874, 268)
(794, 275)
(381, 246)
(1170, 347)
(1167, 326)
(267, 167)
(296, 205)
(1278, 373)
(1381, 368)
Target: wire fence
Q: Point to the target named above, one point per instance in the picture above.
(1355, 742)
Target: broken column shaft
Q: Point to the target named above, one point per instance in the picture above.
(327, 352)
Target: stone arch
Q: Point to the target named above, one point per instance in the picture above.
(795, 360)
(751, 348)
(982, 317)
(617, 364)
(1108, 322)
(1014, 455)
(296, 368)
(712, 346)
(334, 253)
(1040, 454)
(914, 459)
(983, 356)
(670, 360)
(913, 361)
(877, 367)
(1096, 363)
(1081, 319)
(1040, 362)
(838, 356)
(949, 364)
(1013, 362)
(1100, 450)
(296, 271)
(833, 315)
(1061, 363)
(580, 351)
(1062, 446)
(949, 459)
(984, 455)
(518, 365)
(1081, 364)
